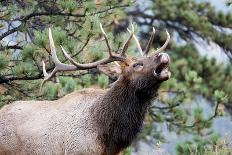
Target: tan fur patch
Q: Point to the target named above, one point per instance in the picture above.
(2, 89)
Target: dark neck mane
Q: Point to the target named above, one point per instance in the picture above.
(119, 115)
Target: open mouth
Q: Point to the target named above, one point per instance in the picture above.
(161, 72)
(161, 67)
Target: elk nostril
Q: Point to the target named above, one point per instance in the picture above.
(164, 58)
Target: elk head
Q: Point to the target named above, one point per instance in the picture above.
(145, 71)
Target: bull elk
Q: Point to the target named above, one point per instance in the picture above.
(89, 121)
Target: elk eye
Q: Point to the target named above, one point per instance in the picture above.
(138, 66)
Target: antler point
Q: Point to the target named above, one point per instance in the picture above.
(153, 29)
(129, 30)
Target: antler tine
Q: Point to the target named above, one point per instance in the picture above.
(165, 44)
(137, 43)
(44, 69)
(126, 45)
(150, 41)
(47, 77)
(106, 39)
(93, 64)
(69, 58)
(52, 47)
(58, 65)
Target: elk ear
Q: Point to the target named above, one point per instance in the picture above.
(110, 70)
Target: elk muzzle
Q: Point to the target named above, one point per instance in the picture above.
(161, 71)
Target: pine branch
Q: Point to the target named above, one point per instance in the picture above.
(8, 80)
(11, 47)
(10, 31)
(24, 19)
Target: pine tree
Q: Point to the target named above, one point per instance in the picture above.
(24, 42)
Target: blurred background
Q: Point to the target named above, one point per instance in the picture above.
(191, 116)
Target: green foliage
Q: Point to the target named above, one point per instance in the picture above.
(222, 147)
(3, 61)
(69, 5)
(5, 99)
(59, 35)
(103, 81)
(90, 5)
(198, 73)
(87, 80)
(127, 151)
(41, 38)
(70, 85)
(209, 146)
(28, 53)
(51, 91)
(26, 69)
(201, 17)
(220, 96)
(197, 147)
(192, 80)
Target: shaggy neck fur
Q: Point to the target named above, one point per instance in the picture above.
(120, 115)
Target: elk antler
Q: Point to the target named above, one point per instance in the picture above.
(165, 44)
(136, 40)
(126, 45)
(150, 42)
(59, 66)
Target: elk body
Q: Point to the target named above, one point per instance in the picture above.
(90, 121)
